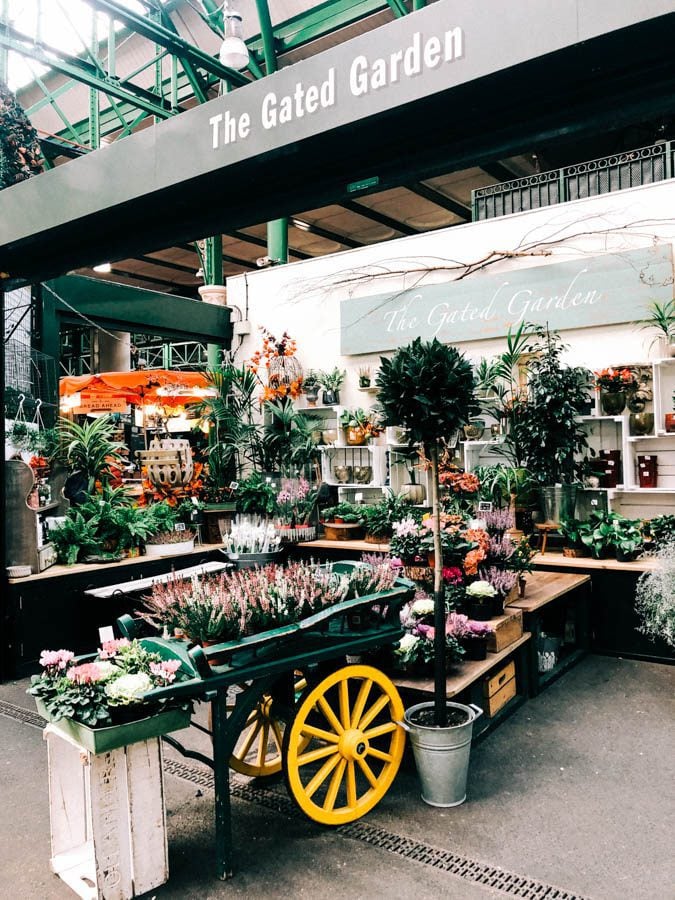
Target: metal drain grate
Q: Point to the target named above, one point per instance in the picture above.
(27, 716)
(460, 866)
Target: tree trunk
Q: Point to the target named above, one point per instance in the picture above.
(440, 709)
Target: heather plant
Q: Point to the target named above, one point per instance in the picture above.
(502, 580)
(498, 521)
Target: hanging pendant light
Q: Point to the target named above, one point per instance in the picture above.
(233, 50)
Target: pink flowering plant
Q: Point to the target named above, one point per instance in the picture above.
(415, 650)
(88, 690)
(295, 501)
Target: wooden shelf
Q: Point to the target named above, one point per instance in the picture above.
(364, 546)
(57, 570)
(586, 562)
(544, 587)
(467, 672)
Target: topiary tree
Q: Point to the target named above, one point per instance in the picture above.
(19, 147)
(429, 389)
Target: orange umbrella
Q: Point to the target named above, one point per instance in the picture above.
(143, 386)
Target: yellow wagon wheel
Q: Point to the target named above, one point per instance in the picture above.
(344, 748)
(258, 750)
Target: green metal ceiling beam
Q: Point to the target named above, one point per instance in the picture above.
(434, 196)
(84, 72)
(171, 40)
(191, 73)
(317, 23)
(267, 33)
(362, 210)
(397, 7)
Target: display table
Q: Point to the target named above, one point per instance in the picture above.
(588, 564)
(471, 682)
(556, 606)
(342, 549)
(50, 610)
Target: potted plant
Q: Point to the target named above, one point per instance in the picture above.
(331, 382)
(661, 530)
(661, 318)
(72, 536)
(472, 635)
(626, 539)
(546, 430)
(311, 386)
(252, 541)
(669, 418)
(428, 388)
(614, 385)
(256, 495)
(364, 377)
(520, 562)
(598, 538)
(655, 598)
(411, 491)
(343, 522)
(100, 700)
(480, 597)
(359, 426)
(572, 531)
(88, 452)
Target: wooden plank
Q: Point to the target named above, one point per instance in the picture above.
(500, 698)
(110, 824)
(141, 584)
(363, 546)
(467, 672)
(67, 812)
(56, 571)
(147, 824)
(496, 682)
(505, 630)
(647, 564)
(544, 587)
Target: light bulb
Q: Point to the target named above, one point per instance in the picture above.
(233, 50)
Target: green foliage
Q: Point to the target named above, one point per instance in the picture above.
(311, 381)
(660, 317)
(73, 537)
(333, 380)
(610, 531)
(89, 448)
(288, 437)
(350, 513)
(255, 495)
(573, 530)
(662, 530)
(520, 560)
(379, 517)
(428, 388)
(545, 431)
(499, 483)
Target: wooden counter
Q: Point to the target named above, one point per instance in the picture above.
(587, 563)
(545, 587)
(352, 546)
(126, 563)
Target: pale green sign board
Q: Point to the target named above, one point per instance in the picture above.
(592, 291)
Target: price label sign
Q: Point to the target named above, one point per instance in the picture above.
(180, 526)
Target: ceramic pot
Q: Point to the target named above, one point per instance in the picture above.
(613, 402)
(343, 474)
(641, 423)
(413, 493)
(330, 398)
(363, 474)
(670, 423)
(355, 437)
(312, 395)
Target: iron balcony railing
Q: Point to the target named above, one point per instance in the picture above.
(588, 179)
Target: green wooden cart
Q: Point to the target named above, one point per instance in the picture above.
(287, 700)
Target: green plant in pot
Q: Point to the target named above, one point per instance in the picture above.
(572, 531)
(75, 536)
(627, 539)
(411, 491)
(661, 319)
(88, 452)
(429, 388)
(311, 386)
(256, 495)
(331, 382)
(343, 522)
(604, 531)
(546, 428)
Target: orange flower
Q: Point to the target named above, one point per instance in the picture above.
(472, 560)
(480, 537)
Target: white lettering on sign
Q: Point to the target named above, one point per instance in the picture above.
(362, 77)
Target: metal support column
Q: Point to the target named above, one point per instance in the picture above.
(277, 231)
(4, 53)
(213, 274)
(94, 96)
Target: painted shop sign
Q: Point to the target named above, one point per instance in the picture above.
(600, 290)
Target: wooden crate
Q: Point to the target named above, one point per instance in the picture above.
(499, 688)
(108, 828)
(505, 630)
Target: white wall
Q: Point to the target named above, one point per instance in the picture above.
(303, 298)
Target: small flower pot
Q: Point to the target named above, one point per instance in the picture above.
(355, 437)
(312, 396)
(575, 552)
(475, 648)
(330, 398)
(670, 423)
(480, 612)
(613, 402)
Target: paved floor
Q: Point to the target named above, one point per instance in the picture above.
(575, 790)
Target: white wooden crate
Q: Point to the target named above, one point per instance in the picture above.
(108, 823)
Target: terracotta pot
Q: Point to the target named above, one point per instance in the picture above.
(670, 423)
(575, 552)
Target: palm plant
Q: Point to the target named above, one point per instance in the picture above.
(89, 448)
(661, 318)
(429, 388)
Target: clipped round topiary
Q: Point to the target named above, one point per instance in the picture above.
(427, 388)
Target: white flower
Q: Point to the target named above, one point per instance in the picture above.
(422, 607)
(128, 689)
(480, 589)
(406, 644)
(106, 668)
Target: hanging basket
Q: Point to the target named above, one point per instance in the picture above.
(283, 370)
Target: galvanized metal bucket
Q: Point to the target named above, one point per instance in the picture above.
(442, 755)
